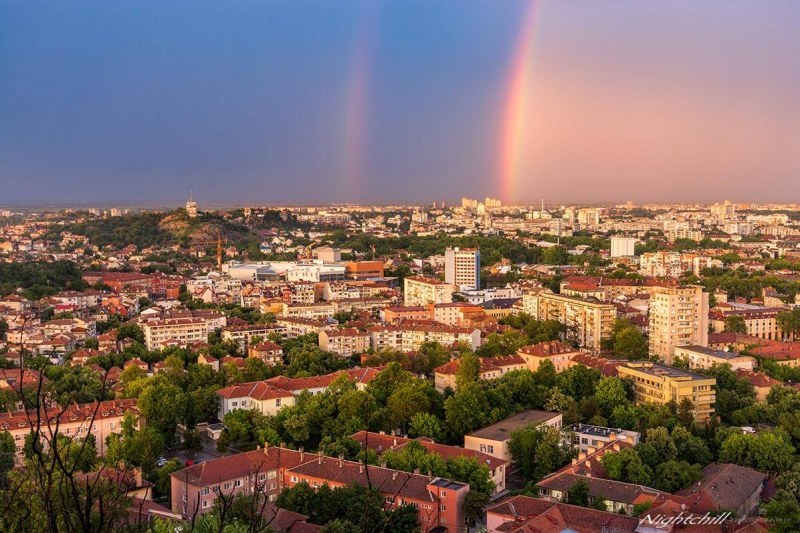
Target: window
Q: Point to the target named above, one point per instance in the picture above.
(278, 402)
(206, 504)
(237, 483)
(205, 491)
(444, 507)
(491, 449)
(443, 494)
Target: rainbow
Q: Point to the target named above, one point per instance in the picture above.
(357, 103)
(515, 106)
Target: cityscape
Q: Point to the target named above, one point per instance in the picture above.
(452, 267)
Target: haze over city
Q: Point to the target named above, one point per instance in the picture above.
(309, 102)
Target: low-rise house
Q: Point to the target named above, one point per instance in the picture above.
(494, 440)
(761, 382)
(523, 514)
(725, 487)
(254, 395)
(618, 497)
(269, 352)
(702, 358)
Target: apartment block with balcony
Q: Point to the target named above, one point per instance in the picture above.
(678, 317)
(660, 384)
(588, 321)
(423, 291)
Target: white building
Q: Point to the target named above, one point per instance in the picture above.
(623, 246)
(462, 268)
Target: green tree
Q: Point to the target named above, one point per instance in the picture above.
(672, 476)
(783, 510)
(469, 368)
(627, 466)
(425, 425)
(610, 393)
(631, 344)
(578, 494)
(735, 324)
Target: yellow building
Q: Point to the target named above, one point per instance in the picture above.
(423, 291)
(660, 384)
(588, 321)
(678, 317)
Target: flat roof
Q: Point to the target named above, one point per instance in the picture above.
(659, 370)
(502, 430)
(722, 354)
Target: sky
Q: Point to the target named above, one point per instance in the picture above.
(298, 101)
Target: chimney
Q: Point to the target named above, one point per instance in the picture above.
(394, 441)
(612, 436)
(394, 474)
(582, 456)
(383, 464)
(319, 459)
(266, 449)
(137, 476)
(361, 468)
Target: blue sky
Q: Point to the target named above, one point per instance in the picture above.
(252, 101)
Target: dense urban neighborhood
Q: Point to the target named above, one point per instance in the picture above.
(477, 366)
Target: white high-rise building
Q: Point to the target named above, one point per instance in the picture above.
(623, 246)
(462, 267)
(678, 317)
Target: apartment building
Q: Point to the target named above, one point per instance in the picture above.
(245, 334)
(491, 368)
(74, 421)
(585, 436)
(678, 317)
(292, 327)
(381, 443)
(761, 322)
(660, 384)
(494, 439)
(700, 357)
(344, 342)
(560, 354)
(195, 489)
(158, 333)
(462, 268)
(588, 321)
(439, 501)
(315, 310)
(422, 291)
(409, 337)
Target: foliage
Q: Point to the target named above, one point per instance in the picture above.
(38, 279)
(538, 450)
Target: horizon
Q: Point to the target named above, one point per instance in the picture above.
(367, 102)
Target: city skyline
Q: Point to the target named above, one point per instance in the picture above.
(368, 102)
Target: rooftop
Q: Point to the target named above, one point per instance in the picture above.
(502, 430)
